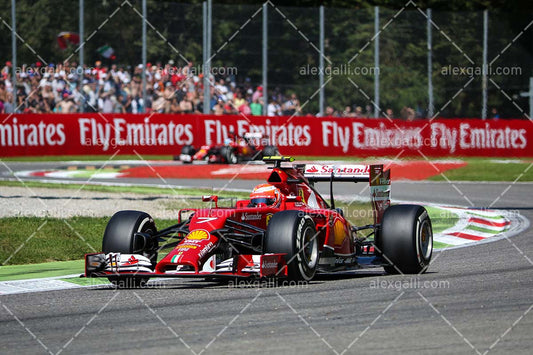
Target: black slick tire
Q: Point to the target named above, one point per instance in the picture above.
(294, 234)
(406, 239)
(119, 238)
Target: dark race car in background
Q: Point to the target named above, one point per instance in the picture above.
(302, 235)
(250, 146)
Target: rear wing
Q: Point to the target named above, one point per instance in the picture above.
(324, 172)
(379, 180)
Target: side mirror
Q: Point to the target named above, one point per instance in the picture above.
(210, 198)
(294, 198)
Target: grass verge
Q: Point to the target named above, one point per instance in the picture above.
(64, 158)
(487, 170)
(145, 190)
(30, 240)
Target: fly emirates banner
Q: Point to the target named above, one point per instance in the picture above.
(165, 134)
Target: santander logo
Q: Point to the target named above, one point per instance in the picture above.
(269, 265)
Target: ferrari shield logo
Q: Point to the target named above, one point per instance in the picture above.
(198, 234)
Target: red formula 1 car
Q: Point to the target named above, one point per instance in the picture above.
(251, 146)
(286, 229)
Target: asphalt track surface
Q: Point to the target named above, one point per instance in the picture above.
(477, 299)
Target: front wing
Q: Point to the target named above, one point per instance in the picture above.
(129, 265)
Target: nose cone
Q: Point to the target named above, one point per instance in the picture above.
(193, 251)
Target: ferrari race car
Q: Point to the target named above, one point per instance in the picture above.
(286, 229)
(248, 147)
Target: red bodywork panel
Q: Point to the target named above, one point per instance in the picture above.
(195, 255)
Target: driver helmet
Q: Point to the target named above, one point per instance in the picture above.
(265, 194)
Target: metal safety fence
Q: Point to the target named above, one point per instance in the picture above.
(151, 56)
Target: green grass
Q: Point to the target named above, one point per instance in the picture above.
(31, 271)
(441, 219)
(86, 158)
(29, 240)
(145, 190)
(484, 216)
(484, 170)
(32, 247)
(478, 169)
(91, 281)
(483, 230)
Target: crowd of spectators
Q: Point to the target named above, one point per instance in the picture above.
(65, 88)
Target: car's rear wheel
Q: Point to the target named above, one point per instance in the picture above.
(228, 153)
(406, 239)
(119, 237)
(189, 151)
(294, 234)
(270, 150)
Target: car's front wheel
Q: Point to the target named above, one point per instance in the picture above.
(294, 234)
(120, 237)
(228, 153)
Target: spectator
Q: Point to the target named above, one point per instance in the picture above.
(494, 114)
(218, 109)
(407, 113)
(330, 112)
(8, 104)
(273, 108)
(3, 91)
(66, 105)
(229, 108)
(258, 93)
(245, 109)
(257, 107)
(347, 112)
(292, 106)
(358, 112)
(238, 100)
(119, 106)
(186, 106)
(106, 103)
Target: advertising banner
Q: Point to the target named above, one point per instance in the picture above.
(165, 134)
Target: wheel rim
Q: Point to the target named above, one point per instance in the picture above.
(310, 248)
(425, 241)
(146, 227)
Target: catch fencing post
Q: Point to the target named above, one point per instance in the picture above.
(530, 95)
(81, 45)
(376, 62)
(430, 66)
(208, 11)
(14, 54)
(485, 67)
(321, 65)
(144, 54)
(265, 58)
